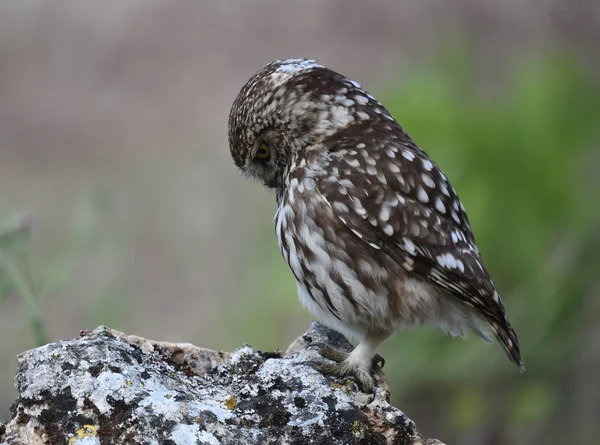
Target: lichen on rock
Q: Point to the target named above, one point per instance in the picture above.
(106, 387)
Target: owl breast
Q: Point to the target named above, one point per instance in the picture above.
(345, 282)
(342, 281)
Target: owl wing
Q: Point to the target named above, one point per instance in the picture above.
(392, 196)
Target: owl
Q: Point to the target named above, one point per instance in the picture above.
(371, 228)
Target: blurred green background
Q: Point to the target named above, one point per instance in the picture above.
(119, 204)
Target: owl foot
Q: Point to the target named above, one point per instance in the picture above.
(333, 354)
(346, 369)
(343, 367)
(337, 355)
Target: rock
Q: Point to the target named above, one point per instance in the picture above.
(107, 387)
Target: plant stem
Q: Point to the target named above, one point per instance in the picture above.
(34, 312)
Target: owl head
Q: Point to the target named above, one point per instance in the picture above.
(289, 106)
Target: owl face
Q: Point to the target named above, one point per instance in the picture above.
(263, 156)
(288, 106)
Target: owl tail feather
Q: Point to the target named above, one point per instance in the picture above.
(507, 337)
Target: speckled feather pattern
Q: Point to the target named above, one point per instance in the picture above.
(374, 233)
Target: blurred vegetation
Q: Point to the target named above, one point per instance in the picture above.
(21, 273)
(523, 159)
(16, 275)
(519, 159)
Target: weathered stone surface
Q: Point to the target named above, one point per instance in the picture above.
(107, 387)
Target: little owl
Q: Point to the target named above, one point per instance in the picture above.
(371, 228)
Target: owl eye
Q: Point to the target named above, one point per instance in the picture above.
(263, 153)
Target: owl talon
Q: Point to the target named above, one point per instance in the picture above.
(378, 362)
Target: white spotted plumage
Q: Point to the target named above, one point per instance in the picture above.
(371, 228)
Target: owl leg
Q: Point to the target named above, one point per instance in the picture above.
(338, 355)
(359, 363)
